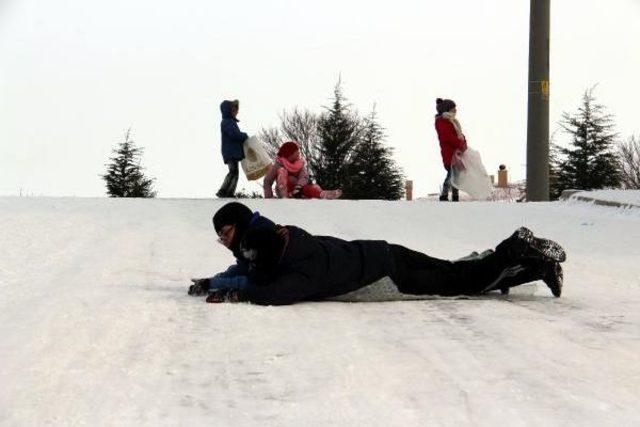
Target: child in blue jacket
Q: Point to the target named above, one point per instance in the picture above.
(232, 146)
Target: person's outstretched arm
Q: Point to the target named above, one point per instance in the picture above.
(235, 277)
(233, 282)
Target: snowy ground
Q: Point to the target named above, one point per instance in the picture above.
(626, 197)
(96, 327)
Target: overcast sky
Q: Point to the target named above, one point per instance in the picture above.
(75, 74)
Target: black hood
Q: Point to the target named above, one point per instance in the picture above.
(225, 109)
(262, 247)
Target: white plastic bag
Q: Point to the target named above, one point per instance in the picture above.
(256, 162)
(469, 175)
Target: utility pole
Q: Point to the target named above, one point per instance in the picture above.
(538, 109)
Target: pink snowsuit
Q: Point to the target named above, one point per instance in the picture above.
(289, 175)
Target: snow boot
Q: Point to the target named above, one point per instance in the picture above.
(330, 194)
(523, 244)
(553, 277)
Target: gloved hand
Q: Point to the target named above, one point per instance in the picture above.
(234, 296)
(217, 296)
(297, 192)
(199, 287)
(224, 296)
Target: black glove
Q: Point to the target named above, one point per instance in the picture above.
(224, 295)
(200, 287)
(297, 192)
(217, 296)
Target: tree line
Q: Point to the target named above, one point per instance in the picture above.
(348, 151)
(594, 157)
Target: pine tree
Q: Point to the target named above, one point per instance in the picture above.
(339, 132)
(125, 177)
(555, 165)
(590, 162)
(373, 174)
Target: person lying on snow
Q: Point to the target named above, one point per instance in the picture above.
(231, 222)
(288, 265)
(289, 171)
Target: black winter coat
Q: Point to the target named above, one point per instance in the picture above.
(257, 221)
(318, 267)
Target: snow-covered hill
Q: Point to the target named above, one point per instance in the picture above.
(96, 327)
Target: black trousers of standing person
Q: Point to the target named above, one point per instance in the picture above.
(228, 188)
(420, 274)
(446, 186)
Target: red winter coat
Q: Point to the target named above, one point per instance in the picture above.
(449, 140)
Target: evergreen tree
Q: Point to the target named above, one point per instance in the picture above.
(555, 165)
(125, 177)
(373, 174)
(590, 162)
(339, 132)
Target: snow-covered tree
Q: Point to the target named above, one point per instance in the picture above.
(589, 162)
(125, 177)
(339, 131)
(629, 155)
(372, 172)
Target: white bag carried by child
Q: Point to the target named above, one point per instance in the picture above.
(256, 162)
(469, 175)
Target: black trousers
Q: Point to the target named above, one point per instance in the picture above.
(420, 274)
(228, 188)
(446, 186)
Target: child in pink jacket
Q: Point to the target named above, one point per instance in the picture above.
(289, 172)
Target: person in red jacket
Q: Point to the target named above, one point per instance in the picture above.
(451, 140)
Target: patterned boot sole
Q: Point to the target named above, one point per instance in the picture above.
(537, 247)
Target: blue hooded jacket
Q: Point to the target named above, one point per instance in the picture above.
(232, 138)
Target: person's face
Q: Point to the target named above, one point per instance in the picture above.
(454, 110)
(225, 236)
(234, 110)
(295, 156)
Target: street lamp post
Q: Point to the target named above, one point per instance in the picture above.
(538, 108)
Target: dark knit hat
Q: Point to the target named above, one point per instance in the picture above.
(232, 213)
(287, 149)
(263, 248)
(444, 105)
